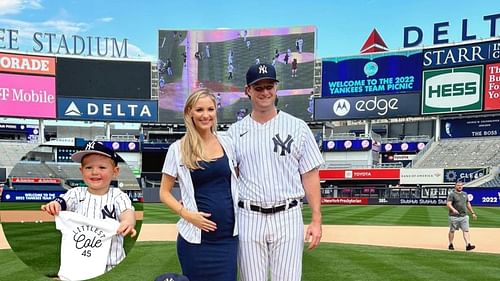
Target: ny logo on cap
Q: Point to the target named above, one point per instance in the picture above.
(262, 69)
(90, 146)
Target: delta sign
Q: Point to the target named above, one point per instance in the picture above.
(452, 90)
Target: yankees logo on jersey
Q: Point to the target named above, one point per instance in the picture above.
(285, 145)
(106, 213)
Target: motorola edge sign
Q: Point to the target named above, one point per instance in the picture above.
(385, 106)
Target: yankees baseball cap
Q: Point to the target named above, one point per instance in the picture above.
(259, 72)
(171, 277)
(94, 147)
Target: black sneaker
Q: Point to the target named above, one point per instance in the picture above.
(470, 247)
(451, 248)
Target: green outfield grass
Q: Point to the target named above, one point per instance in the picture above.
(329, 262)
(361, 215)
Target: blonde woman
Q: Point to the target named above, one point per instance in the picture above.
(202, 163)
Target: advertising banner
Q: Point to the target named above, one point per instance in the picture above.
(372, 74)
(470, 54)
(27, 64)
(484, 196)
(403, 147)
(347, 145)
(421, 176)
(107, 110)
(367, 107)
(29, 196)
(27, 96)
(453, 90)
(492, 87)
(344, 200)
(470, 127)
(365, 174)
(464, 175)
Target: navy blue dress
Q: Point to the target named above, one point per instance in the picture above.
(216, 257)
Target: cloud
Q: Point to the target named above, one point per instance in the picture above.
(106, 19)
(10, 7)
(136, 52)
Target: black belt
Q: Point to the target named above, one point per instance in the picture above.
(270, 210)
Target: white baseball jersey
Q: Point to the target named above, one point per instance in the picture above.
(85, 245)
(272, 156)
(271, 159)
(109, 205)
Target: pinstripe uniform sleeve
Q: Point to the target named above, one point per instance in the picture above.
(71, 198)
(122, 202)
(311, 156)
(170, 165)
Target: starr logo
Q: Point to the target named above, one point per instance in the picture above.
(262, 69)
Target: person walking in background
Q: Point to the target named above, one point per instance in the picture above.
(458, 204)
(202, 163)
(294, 67)
(278, 161)
(230, 69)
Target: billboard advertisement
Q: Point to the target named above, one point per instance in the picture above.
(29, 196)
(99, 78)
(27, 64)
(421, 176)
(107, 110)
(359, 174)
(367, 107)
(21, 94)
(492, 87)
(379, 73)
(452, 90)
(218, 60)
(461, 55)
(483, 196)
(470, 127)
(464, 175)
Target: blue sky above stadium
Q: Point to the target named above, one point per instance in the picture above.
(342, 26)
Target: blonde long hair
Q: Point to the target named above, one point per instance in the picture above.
(191, 148)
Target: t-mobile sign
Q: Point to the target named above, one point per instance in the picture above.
(27, 96)
(492, 87)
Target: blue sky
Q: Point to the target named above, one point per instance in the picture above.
(342, 25)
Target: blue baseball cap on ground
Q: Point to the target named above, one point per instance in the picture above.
(171, 277)
(262, 71)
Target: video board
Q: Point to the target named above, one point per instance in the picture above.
(99, 78)
(218, 60)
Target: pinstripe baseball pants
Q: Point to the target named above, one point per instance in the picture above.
(270, 245)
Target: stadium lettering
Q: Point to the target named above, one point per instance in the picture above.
(20, 95)
(441, 32)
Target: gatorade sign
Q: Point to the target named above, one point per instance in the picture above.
(452, 90)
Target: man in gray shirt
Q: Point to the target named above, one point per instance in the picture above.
(458, 204)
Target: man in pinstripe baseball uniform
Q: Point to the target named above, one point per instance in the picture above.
(97, 200)
(278, 161)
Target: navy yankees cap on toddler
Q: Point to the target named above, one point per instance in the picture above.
(171, 277)
(94, 147)
(259, 72)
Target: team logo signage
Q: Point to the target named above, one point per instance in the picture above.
(387, 73)
(384, 106)
(452, 90)
(492, 87)
(477, 53)
(107, 110)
